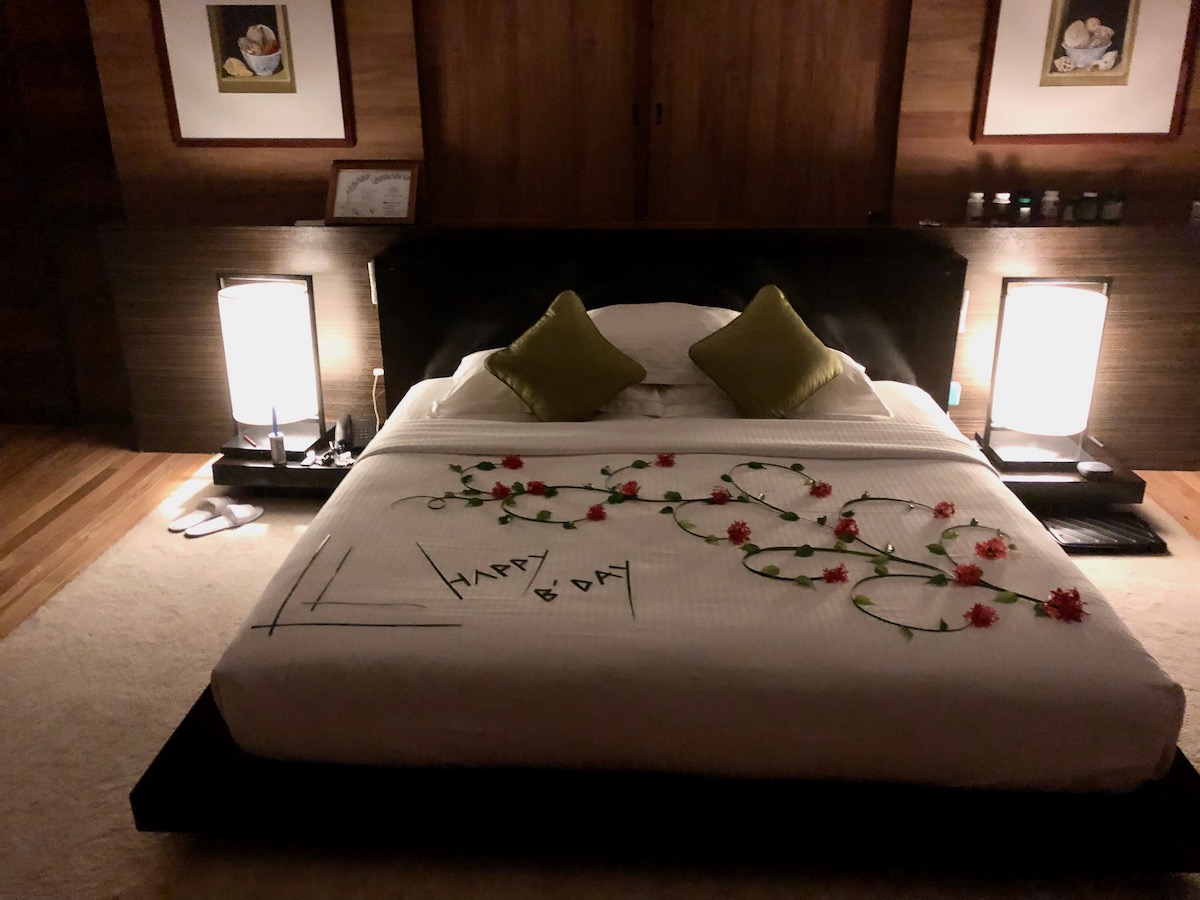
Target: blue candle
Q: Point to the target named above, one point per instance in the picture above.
(274, 422)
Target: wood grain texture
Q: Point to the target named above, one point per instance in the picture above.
(1178, 493)
(69, 495)
(1146, 408)
(937, 165)
(164, 284)
(528, 110)
(776, 112)
(161, 182)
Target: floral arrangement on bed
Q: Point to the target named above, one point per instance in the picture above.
(952, 561)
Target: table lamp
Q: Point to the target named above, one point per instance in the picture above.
(268, 325)
(1047, 349)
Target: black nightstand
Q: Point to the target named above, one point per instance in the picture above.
(262, 474)
(1079, 511)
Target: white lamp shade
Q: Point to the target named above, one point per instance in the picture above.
(268, 336)
(1046, 358)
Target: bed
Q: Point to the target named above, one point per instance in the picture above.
(670, 604)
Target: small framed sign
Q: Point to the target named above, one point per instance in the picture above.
(372, 192)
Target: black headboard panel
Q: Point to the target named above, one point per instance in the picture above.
(888, 297)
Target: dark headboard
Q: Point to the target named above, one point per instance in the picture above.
(888, 297)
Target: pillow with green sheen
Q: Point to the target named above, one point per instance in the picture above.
(766, 359)
(563, 368)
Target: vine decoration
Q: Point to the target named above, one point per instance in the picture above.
(951, 567)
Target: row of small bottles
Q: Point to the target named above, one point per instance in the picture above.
(1089, 208)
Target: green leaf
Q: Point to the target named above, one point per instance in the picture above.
(822, 520)
(805, 550)
(939, 580)
(569, 526)
(726, 478)
(840, 547)
(684, 523)
(942, 626)
(667, 509)
(640, 464)
(789, 517)
(880, 560)
(673, 496)
(606, 471)
(474, 501)
(550, 492)
(504, 520)
(749, 548)
(906, 631)
(881, 570)
(485, 466)
(1040, 612)
(614, 499)
(447, 495)
(796, 467)
(862, 600)
(510, 501)
(743, 498)
(454, 468)
(949, 534)
(804, 581)
(1006, 597)
(468, 478)
(754, 465)
(770, 570)
(472, 492)
(543, 515)
(712, 539)
(518, 487)
(936, 549)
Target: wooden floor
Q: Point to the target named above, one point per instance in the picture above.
(67, 496)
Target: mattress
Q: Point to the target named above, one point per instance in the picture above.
(610, 624)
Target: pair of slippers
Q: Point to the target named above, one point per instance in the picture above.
(215, 514)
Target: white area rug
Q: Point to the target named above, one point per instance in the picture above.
(95, 682)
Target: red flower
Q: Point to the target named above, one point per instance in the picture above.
(664, 460)
(629, 489)
(993, 548)
(720, 496)
(821, 489)
(835, 576)
(1065, 605)
(966, 575)
(500, 491)
(981, 616)
(846, 529)
(536, 487)
(943, 510)
(739, 533)
(512, 461)
(597, 513)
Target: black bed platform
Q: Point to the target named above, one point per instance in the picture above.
(202, 782)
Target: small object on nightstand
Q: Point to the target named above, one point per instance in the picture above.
(1111, 532)
(1093, 469)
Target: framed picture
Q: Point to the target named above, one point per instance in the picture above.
(1066, 71)
(372, 192)
(254, 74)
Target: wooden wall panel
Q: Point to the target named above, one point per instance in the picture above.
(164, 283)
(1146, 407)
(937, 165)
(164, 183)
(528, 110)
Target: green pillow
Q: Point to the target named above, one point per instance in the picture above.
(563, 368)
(766, 359)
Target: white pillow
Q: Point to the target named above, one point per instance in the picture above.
(851, 395)
(478, 394)
(658, 336)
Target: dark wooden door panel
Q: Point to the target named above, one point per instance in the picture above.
(528, 110)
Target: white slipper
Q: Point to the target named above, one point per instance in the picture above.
(207, 508)
(232, 516)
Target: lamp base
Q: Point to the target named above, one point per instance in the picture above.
(1015, 450)
(252, 442)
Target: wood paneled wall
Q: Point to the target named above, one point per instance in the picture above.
(937, 165)
(1146, 407)
(165, 285)
(58, 333)
(164, 183)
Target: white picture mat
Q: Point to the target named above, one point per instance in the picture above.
(1018, 104)
(314, 111)
(373, 193)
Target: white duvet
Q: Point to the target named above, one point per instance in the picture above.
(426, 632)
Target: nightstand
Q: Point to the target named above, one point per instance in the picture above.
(1079, 510)
(262, 474)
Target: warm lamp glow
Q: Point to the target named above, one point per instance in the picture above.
(267, 329)
(1046, 358)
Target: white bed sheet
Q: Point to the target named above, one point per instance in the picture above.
(678, 659)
